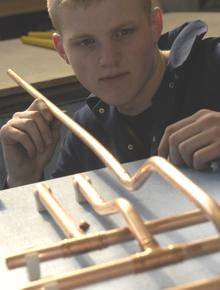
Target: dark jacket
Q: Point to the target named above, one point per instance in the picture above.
(191, 82)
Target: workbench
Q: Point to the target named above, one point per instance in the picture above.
(22, 226)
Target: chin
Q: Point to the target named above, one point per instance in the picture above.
(114, 101)
(113, 98)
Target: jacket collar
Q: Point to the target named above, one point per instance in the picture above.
(185, 42)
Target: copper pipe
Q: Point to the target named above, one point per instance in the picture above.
(63, 219)
(136, 263)
(160, 165)
(37, 41)
(104, 239)
(207, 284)
(119, 205)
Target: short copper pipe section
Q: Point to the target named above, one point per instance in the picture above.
(136, 263)
(104, 239)
(62, 218)
(160, 165)
(206, 284)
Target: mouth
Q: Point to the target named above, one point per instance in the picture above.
(113, 77)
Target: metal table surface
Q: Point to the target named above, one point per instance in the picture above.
(22, 226)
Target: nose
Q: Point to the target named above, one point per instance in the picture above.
(110, 55)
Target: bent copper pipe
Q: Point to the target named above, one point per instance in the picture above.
(62, 218)
(178, 180)
(158, 164)
(133, 264)
(119, 205)
(105, 238)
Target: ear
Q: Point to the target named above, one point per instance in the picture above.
(156, 23)
(58, 45)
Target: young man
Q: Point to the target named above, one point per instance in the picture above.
(150, 93)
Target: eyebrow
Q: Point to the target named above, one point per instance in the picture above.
(122, 25)
(80, 36)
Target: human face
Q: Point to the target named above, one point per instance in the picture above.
(111, 46)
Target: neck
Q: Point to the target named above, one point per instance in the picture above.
(143, 100)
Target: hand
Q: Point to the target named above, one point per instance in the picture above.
(194, 141)
(28, 141)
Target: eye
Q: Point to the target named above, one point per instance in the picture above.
(124, 32)
(87, 43)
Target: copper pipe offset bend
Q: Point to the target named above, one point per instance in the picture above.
(102, 207)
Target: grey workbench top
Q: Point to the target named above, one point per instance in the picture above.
(22, 226)
(36, 65)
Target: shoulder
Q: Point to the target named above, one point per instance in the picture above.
(186, 34)
(206, 68)
(209, 54)
(215, 51)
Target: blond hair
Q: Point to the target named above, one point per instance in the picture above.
(53, 7)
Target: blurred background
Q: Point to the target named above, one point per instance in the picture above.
(189, 5)
(17, 17)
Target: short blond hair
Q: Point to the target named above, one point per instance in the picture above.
(53, 7)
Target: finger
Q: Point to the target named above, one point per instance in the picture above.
(202, 132)
(14, 136)
(193, 144)
(163, 149)
(56, 128)
(42, 125)
(44, 129)
(174, 156)
(203, 157)
(177, 156)
(29, 127)
(40, 106)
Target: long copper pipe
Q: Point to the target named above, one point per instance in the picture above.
(160, 165)
(136, 263)
(106, 157)
(63, 219)
(206, 284)
(104, 239)
(118, 205)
